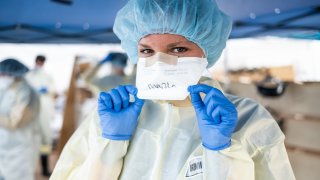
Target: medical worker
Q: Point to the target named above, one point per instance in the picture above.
(179, 125)
(43, 83)
(19, 109)
(118, 63)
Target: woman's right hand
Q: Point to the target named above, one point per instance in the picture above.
(118, 116)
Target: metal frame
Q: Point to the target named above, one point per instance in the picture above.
(280, 25)
(87, 36)
(52, 34)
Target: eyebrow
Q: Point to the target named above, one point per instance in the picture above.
(175, 44)
(144, 45)
(169, 45)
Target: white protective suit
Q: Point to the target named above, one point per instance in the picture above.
(19, 132)
(167, 145)
(38, 78)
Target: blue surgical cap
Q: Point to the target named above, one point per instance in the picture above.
(13, 67)
(199, 21)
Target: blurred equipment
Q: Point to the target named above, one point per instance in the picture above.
(271, 86)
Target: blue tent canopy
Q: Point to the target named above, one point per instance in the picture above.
(91, 21)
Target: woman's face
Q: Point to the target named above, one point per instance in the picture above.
(170, 44)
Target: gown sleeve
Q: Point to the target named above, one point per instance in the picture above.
(268, 151)
(88, 155)
(24, 110)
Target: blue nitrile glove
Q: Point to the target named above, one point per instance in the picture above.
(106, 59)
(216, 115)
(43, 90)
(118, 116)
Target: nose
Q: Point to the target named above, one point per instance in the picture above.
(161, 57)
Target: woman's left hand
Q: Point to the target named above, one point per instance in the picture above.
(217, 116)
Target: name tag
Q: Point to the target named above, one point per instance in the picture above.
(194, 167)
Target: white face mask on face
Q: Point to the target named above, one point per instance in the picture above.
(167, 77)
(5, 82)
(38, 68)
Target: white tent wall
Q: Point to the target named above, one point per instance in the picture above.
(60, 57)
(250, 53)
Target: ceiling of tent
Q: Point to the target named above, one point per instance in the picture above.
(91, 21)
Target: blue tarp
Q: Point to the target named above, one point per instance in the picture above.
(91, 21)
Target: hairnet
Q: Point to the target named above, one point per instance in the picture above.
(13, 67)
(200, 21)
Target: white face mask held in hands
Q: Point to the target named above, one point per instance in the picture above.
(166, 77)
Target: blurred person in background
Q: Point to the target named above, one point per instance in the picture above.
(19, 126)
(57, 123)
(43, 83)
(118, 63)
